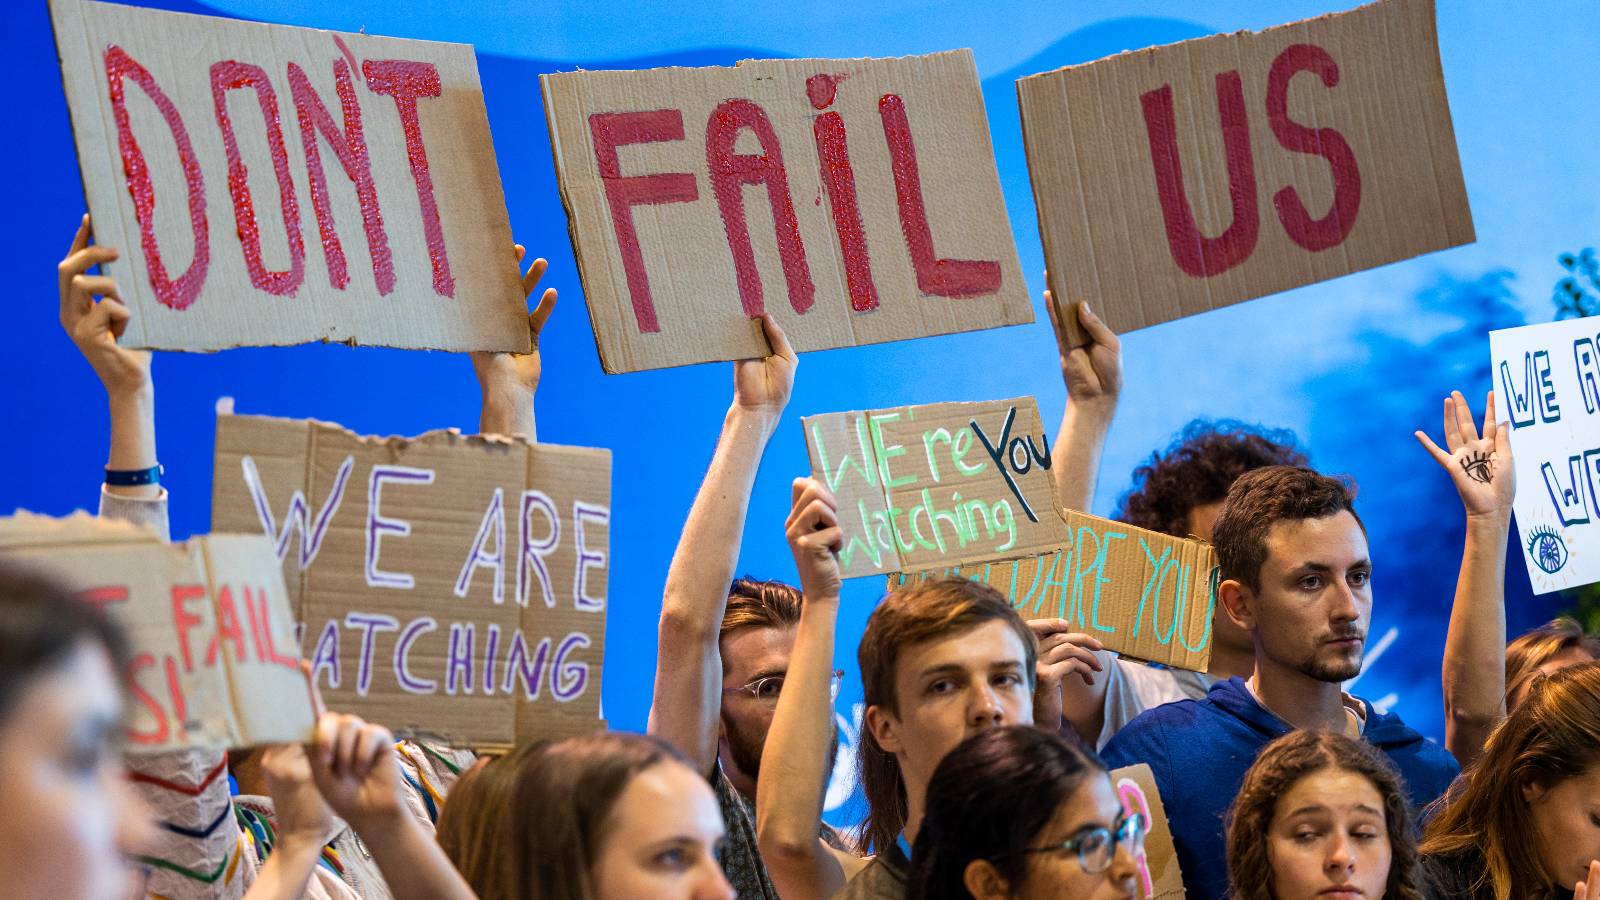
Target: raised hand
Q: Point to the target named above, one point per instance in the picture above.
(1093, 371)
(510, 380)
(815, 539)
(354, 767)
(1479, 465)
(302, 814)
(95, 326)
(764, 385)
(1589, 888)
(1063, 653)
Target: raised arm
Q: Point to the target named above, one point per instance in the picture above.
(509, 380)
(795, 761)
(688, 688)
(354, 766)
(1093, 373)
(305, 824)
(1474, 672)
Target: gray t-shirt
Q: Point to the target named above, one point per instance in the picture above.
(883, 879)
(1132, 688)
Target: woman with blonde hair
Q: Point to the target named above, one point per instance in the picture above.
(1319, 815)
(1524, 822)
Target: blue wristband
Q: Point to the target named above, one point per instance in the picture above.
(133, 477)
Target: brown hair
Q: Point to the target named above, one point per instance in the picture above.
(908, 616)
(760, 604)
(1198, 468)
(1527, 653)
(1551, 736)
(41, 624)
(1262, 498)
(1275, 772)
(541, 814)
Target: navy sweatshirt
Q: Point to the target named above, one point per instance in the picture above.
(1201, 749)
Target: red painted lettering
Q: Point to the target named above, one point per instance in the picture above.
(939, 277)
(227, 628)
(180, 292)
(840, 181)
(101, 596)
(180, 709)
(350, 147)
(231, 75)
(613, 130)
(183, 620)
(1201, 256)
(255, 602)
(405, 82)
(1333, 228)
(730, 172)
(143, 698)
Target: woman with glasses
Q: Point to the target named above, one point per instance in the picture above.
(1018, 813)
(1321, 815)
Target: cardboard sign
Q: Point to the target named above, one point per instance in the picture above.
(451, 586)
(276, 185)
(1180, 179)
(854, 199)
(1159, 877)
(1144, 594)
(1547, 384)
(214, 656)
(946, 482)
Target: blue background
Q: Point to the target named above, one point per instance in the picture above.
(1353, 365)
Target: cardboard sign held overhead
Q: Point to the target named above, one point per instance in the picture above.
(274, 185)
(1159, 876)
(1180, 179)
(1144, 594)
(451, 586)
(946, 482)
(214, 661)
(1547, 385)
(854, 199)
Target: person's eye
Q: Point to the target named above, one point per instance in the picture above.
(942, 686)
(1594, 819)
(1306, 835)
(674, 858)
(84, 760)
(1360, 579)
(1009, 679)
(1311, 583)
(769, 688)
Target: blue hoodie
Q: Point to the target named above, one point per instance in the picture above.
(1200, 750)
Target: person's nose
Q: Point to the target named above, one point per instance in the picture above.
(984, 709)
(1124, 870)
(1341, 859)
(711, 883)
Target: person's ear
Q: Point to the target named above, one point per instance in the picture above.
(983, 882)
(1533, 791)
(1238, 603)
(885, 730)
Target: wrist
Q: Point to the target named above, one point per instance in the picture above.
(762, 420)
(1489, 524)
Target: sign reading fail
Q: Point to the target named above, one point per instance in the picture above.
(948, 482)
(1143, 594)
(447, 585)
(856, 200)
(1239, 165)
(275, 185)
(214, 661)
(1547, 384)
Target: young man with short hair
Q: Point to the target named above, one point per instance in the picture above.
(1296, 576)
(940, 661)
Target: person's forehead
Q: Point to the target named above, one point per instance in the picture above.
(1092, 802)
(981, 646)
(757, 649)
(1337, 790)
(1331, 539)
(666, 800)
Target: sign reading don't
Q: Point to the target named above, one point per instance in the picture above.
(274, 185)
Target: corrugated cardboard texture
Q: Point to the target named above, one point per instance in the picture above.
(675, 291)
(1547, 384)
(1366, 111)
(423, 261)
(1143, 594)
(1159, 877)
(921, 485)
(214, 656)
(450, 586)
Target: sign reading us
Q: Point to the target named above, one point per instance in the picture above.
(856, 200)
(1239, 165)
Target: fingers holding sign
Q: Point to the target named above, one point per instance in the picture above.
(815, 538)
(94, 326)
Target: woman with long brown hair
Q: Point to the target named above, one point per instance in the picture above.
(1524, 822)
(1321, 815)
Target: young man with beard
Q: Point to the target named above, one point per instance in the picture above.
(724, 650)
(940, 661)
(1297, 577)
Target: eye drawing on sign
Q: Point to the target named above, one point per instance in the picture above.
(1478, 467)
(1547, 550)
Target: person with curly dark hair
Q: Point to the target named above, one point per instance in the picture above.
(1178, 491)
(1320, 813)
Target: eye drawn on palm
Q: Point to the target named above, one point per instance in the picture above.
(1479, 463)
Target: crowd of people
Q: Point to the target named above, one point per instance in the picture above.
(987, 741)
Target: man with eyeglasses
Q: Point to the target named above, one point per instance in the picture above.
(724, 644)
